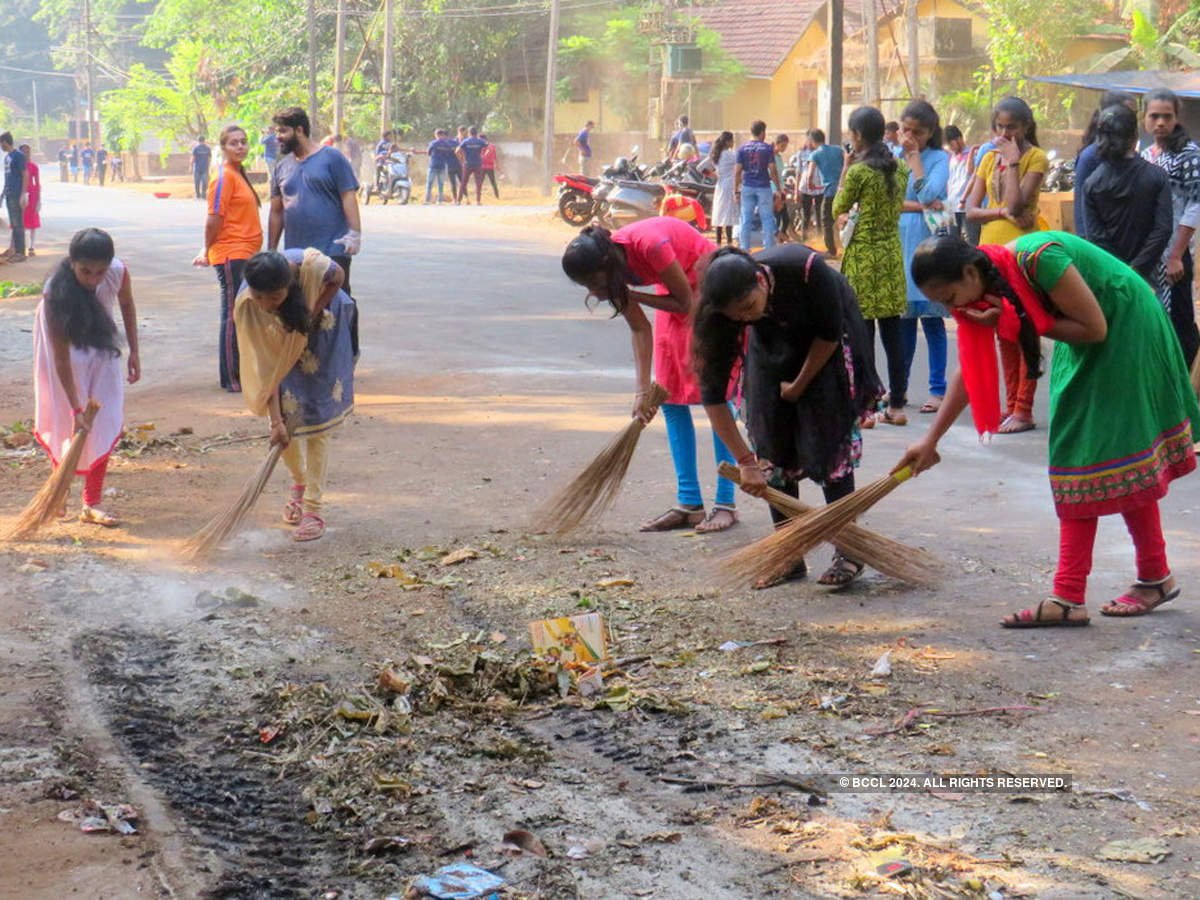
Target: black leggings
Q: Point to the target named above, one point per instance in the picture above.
(833, 490)
(1183, 312)
(490, 175)
(728, 229)
(892, 336)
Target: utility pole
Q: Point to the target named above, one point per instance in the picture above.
(548, 113)
(37, 128)
(914, 47)
(385, 106)
(312, 66)
(339, 67)
(871, 90)
(836, 29)
(87, 43)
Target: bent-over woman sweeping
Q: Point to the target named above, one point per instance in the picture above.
(294, 324)
(656, 263)
(1122, 410)
(77, 358)
(809, 380)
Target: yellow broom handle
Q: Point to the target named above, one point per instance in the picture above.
(902, 475)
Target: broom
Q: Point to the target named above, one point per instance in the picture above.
(594, 489)
(857, 543)
(780, 551)
(208, 538)
(50, 499)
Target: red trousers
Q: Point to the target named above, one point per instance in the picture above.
(1076, 537)
(93, 482)
(1019, 389)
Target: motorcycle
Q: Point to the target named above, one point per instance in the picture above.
(392, 181)
(576, 203)
(1061, 176)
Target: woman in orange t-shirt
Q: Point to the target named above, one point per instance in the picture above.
(232, 234)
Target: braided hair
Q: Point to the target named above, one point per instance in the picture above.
(942, 259)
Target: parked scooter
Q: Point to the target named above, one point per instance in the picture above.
(1061, 176)
(392, 180)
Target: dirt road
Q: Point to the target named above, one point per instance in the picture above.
(237, 707)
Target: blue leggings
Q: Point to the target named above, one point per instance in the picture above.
(935, 337)
(681, 435)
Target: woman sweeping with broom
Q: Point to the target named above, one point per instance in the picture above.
(655, 263)
(1122, 410)
(77, 359)
(294, 325)
(809, 380)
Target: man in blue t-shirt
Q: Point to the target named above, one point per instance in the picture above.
(584, 148)
(683, 135)
(758, 179)
(470, 154)
(199, 165)
(88, 158)
(314, 196)
(829, 161)
(441, 150)
(16, 196)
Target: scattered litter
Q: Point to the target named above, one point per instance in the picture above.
(33, 566)
(393, 571)
(730, 646)
(615, 582)
(1121, 794)
(831, 702)
(461, 881)
(570, 639)
(1140, 850)
(582, 848)
(883, 666)
(458, 556)
(663, 837)
(17, 440)
(897, 868)
(519, 841)
(386, 843)
(234, 597)
(94, 817)
(590, 682)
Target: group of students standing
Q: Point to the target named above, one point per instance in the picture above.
(790, 340)
(458, 160)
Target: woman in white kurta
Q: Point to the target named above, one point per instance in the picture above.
(725, 214)
(76, 358)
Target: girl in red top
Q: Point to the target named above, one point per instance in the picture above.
(488, 158)
(655, 263)
(232, 234)
(33, 209)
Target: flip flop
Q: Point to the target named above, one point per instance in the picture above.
(708, 526)
(674, 518)
(932, 405)
(1132, 607)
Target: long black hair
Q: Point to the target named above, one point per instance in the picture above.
(1019, 110)
(73, 310)
(1116, 133)
(731, 274)
(270, 271)
(1178, 138)
(923, 112)
(942, 259)
(723, 142)
(1107, 99)
(867, 123)
(593, 251)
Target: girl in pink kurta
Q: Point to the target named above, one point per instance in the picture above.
(76, 358)
(656, 263)
(33, 209)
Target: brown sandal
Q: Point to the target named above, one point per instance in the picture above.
(720, 518)
(796, 573)
(674, 518)
(1127, 606)
(841, 572)
(892, 416)
(1032, 618)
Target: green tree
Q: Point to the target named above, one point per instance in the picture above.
(1149, 47)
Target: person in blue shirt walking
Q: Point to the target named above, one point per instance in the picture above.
(756, 176)
(585, 148)
(925, 199)
(470, 154)
(829, 161)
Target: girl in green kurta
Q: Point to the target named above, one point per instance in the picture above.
(1122, 409)
(873, 262)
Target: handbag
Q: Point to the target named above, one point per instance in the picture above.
(847, 232)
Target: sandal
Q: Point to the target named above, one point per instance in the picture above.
(932, 405)
(795, 573)
(892, 416)
(1032, 618)
(841, 572)
(1128, 606)
(92, 515)
(1015, 425)
(293, 510)
(721, 517)
(674, 518)
(310, 528)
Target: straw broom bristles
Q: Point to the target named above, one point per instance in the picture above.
(860, 544)
(208, 538)
(593, 491)
(49, 500)
(780, 551)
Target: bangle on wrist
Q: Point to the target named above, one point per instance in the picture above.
(76, 410)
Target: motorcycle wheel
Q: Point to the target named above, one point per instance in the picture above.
(403, 195)
(575, 208)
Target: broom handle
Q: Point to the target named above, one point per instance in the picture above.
(785, 503)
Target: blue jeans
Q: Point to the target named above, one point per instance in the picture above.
(681, 435)
(764, 199)
(935, 337)
(440, 175)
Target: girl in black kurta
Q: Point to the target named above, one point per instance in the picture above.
(809, 381)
